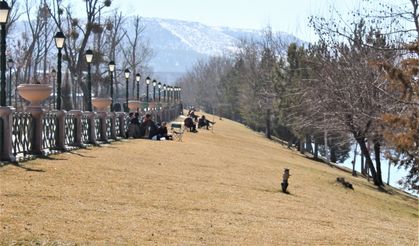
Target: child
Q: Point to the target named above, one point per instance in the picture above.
(285, 177)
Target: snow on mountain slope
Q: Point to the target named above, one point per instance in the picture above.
(179, 44)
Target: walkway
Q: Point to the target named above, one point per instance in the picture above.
(214, 188)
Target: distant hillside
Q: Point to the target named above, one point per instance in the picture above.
(179, 44)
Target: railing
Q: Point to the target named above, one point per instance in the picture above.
(85, 129)
(70, 129)
(108, 121)
(31, 133)
(49, 130)
(117, 127)
(21, 133)
(98, 128)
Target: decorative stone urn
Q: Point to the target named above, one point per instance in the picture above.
(34, 93)
(133, 105)
(101, 103)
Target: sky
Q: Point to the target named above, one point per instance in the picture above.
(282, 15)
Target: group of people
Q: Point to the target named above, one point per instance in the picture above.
(192, 121)
(147, 128)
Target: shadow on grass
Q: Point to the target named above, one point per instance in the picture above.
(51, 158)
(81, 155)
(28, 168)
(274, 191)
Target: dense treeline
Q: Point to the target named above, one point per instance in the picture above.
(357, 85)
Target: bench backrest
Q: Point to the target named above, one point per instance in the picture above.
(176, 125)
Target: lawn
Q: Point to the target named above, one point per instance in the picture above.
(219, 187)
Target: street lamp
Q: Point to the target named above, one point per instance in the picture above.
(172, 90)
(76, 90)
(159, 86)
(111, 66)
(147, 81)
(164, 93)
(154, 90)
(126, 72)
(4, 17)
(89, 58)
(138, 78)
(59, 43)
(10, 65)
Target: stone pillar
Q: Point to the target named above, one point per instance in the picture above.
(77, 126)
(92, 127)
(36, 139)
(102, 117)
(6, 151)
(60, 140)
(122, 124)
(113, 131)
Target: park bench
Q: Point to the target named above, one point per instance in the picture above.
(177, 129)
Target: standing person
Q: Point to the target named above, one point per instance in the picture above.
(285, 177)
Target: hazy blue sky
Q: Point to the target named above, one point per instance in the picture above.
(282, 15)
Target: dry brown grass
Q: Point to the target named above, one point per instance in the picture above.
(219, 188)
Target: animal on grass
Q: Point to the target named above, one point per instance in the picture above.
(345, 183)
(285, 177)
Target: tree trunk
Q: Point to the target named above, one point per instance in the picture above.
(333, 157)
(363, 171)
(369, 164)
(316, 150)
(268, 123)
(301, 144)
(377, 152)
(309, 147)
(354, 161)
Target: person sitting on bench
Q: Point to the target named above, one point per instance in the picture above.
(162, 132)
(193, 115)
(204, 122)
(190, 124)
(148, 128)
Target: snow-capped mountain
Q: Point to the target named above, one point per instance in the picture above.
(178, 45)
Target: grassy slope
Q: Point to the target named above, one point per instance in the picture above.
(219, 188)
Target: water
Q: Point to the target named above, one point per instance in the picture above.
(396, 174)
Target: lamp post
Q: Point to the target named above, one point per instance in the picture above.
(4, 17)
(164, 92)
(76, 90)
(59, 43)
(180, 93)
(154, 90)
(172, 91)
(111, 66)
(147, 81)
(126, 72)
(89, 58)
(54, 74)
(159, 86)
(10, 65)
(138, 78)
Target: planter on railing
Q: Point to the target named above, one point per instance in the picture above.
(133, 105)
(34, 93)
(101, 104)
